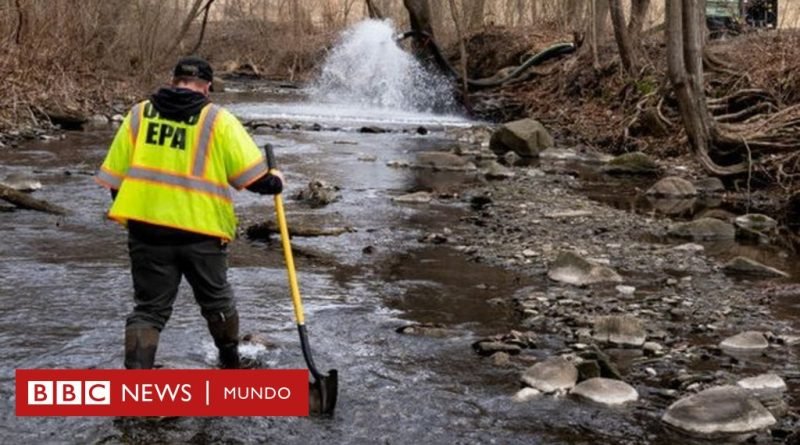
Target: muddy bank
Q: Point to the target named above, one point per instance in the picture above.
(683, 294)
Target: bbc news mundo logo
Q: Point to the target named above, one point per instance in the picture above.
(72, 392)
(187, 392)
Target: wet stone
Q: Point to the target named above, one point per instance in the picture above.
(526, 395)
(744, 342)
(764, 387)
(525, 137)
(605, 391)
(632, 164)
(703, 229)
(414, 198)
(570, 268)
(709, 185)
(751, 268)
(489, 347)
(425, 330)
(623, 330)
(722, 412)
(551, 375)
(493, 170)
(22, 182)
(756, 222)
(444, 161)
(672, 187)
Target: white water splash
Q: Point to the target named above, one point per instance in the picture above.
(368, 68)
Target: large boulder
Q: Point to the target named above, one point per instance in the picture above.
(525, 137)
(622, 330)
(703, 229)
(551, 375)
(724, 412)
(569, 268)
(605, 391)
(636, 163)
(672, 187)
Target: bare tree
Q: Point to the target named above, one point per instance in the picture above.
(473, 13)
(685, 35)
(627, 53)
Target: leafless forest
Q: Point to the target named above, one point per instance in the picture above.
(635, 77)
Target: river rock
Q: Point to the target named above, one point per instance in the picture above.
(672, 206)
(605, 391)
(526, 395)
(440, 160)
(493, 170)
(703, 229)
(672, 187)
(571, 269)
(489, 347)
(636, 163)
(622, 330)
(709, 186)
(746, 266)
(22, 182)
(764, 387)
(525, 137)
(756, 222)
(414, 198)
(722, 412)
(435, 330)
(318, 193)
(745, 342)
(551, 375)
(96, 121)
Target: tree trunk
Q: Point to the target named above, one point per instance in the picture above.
(639, 10)
(187, 22)
(626, 51)
(473, 14)
(373, 10)
(419, 15)
(685, 20)
(462, 49)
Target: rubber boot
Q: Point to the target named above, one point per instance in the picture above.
(141, 343)
(225, 331)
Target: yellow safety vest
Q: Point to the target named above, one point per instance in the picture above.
(178, 174)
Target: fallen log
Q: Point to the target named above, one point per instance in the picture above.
(266, 229)
(25, 201)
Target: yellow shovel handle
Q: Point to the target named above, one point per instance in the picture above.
(287, 254)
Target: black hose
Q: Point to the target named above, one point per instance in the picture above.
(549, 53)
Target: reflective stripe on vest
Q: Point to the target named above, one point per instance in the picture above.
(203, 143)
(136, 119)
(244, 178)
(109, 179)
(193, 184)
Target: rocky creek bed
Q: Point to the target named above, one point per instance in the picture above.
(640, 299)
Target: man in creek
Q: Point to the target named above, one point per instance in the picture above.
(170, 169)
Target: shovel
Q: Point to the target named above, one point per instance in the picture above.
(324, 388)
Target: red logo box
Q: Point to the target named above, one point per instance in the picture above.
(162, 392)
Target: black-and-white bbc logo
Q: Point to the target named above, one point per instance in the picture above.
(69, 392)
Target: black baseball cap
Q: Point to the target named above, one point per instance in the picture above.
(193, 66)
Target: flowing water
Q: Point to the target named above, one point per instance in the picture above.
(65, 290)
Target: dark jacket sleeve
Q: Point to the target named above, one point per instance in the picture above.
(267, 185)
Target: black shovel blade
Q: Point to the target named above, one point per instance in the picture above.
(323, 393)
